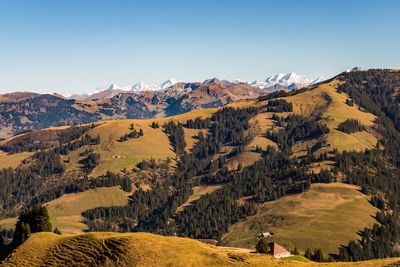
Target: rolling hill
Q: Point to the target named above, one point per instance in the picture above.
(142, 249)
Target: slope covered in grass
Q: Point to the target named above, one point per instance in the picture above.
(13, 160)
(142, 249)
(116, 156)
(326, 216)
(65, 212)
(326, 102)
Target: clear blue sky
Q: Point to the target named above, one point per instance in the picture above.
(73, 46)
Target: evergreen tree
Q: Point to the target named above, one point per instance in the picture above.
(262, 246)
(308, 254)
(33, 220)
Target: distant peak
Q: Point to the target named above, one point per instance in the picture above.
(357, 68)
(112, 86)
(213, 80)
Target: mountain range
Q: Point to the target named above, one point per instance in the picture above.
(22, 111)
(270, 84)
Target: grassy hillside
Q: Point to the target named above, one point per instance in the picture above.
(115, 155)
(14, 160)
(65, 212)
(142, 249)
(324, 100)
(326, 216)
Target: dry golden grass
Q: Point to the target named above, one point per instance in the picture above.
(8, 223)
(12, 160)
(189, 137)
(246, 158)
(259, 125)
(115, 155)
(65, 211)
(143, 249)
(331, 105)
(309, 219)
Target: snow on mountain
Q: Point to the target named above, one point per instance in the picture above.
(272, 83)
(318, 80)
(113, 86)
(168, 83)
(141, 86)
(356, 69)
(278, 81)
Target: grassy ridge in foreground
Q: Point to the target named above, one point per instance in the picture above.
(143, 249)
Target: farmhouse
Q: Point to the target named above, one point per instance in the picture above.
(278, 251)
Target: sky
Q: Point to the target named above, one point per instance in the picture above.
(77, 46)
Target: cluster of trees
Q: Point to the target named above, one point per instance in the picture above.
(21, 184)
(376, 175)
(85, 140)
(90, 161)
(125, 218)
(279, 105)
(296, 128)
(22, 144)
(317, 255)
(350, 126)
(29, 142)
(153, 164)
(262, 246)
(154, 125)
(176, 136)
(79, 185)
(198, 123)
(33, 220)
(375, 170)
(29, 185)
(131, 135)
(378, 242)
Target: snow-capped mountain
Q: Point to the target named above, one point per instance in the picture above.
(285, 80)
(356, 69)
(113, 89)
(318, 80)
(282, 81)
(141, 86)
(272, 83)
